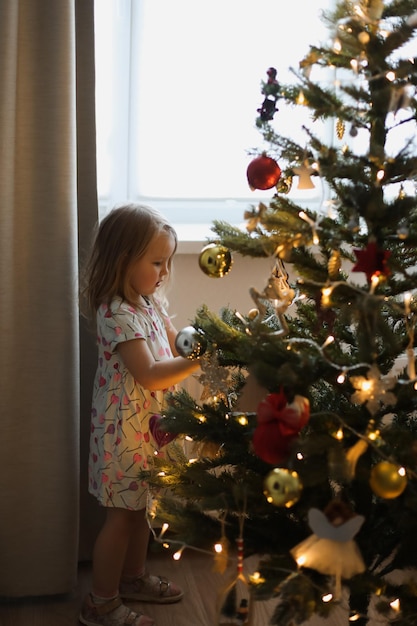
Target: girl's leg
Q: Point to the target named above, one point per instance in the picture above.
(137, 549)
(103, 606)
(110, 551)
(136, 583)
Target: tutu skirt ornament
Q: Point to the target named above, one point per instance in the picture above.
(331, 549)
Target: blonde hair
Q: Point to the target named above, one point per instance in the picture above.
(121, 238)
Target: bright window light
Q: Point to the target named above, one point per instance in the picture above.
(178, 88)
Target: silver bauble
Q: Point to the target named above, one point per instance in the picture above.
(189, 343)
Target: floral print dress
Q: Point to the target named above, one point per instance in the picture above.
(121, 444)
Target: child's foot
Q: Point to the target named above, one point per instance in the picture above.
(149, 588)
(111, 613)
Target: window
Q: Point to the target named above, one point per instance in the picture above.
(178, 87)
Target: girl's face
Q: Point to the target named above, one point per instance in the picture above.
(147, 273)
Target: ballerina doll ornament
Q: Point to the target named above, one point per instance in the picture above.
(331, 549)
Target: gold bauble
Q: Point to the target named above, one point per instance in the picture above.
(284, 184)
(215, 260)
(387, 481)
(282, 487)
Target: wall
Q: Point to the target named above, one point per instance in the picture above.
(192, 288)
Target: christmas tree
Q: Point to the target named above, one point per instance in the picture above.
(306, 431)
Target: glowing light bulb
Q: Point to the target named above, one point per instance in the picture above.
(327, 597)
(354, 64)
(395, 605)
(373, 436)
(256, 578)
(366, 385)
(374, 282)
(390, 76)
(218, 548)
(328, 341)
(337, 45)
(325, 296)
(164, 528)
(178, 554)
(301, 99)
(341, 378)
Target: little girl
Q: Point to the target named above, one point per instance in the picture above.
(137, 362)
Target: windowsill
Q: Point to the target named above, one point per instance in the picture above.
(193, 237)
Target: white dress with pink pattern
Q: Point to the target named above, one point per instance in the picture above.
(121, 444)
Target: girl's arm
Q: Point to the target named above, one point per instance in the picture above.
(151, 374)
(172, 333)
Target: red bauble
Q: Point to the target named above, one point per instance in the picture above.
(263, 173)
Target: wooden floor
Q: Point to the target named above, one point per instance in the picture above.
(194, 572)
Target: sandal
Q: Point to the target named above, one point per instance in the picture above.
(111, 613)
(149, 588)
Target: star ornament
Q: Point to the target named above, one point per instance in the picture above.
(373, 261)
(373, 390)
(214, 379)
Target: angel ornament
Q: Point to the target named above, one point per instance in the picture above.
(277, 292)
(331, 549)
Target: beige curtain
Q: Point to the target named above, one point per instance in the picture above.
(47, 209)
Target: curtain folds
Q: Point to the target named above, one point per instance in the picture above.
(47, 208)
(91, 516)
